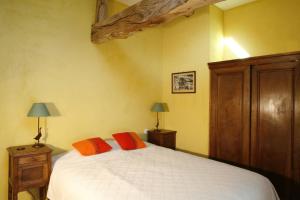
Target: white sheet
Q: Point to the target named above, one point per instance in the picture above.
(153, 173)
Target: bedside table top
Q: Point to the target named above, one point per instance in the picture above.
(162, 131)
(17, 151)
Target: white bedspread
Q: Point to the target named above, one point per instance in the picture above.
(153, 173)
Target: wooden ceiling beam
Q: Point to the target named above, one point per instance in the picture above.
(144, 14)
(101, 10)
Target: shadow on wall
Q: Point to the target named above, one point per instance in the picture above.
(134, 65)
(56, 150)
(54, 112)
(128, 60)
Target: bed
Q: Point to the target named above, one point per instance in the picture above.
(153, 173)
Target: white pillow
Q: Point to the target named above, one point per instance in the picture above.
(113, 143)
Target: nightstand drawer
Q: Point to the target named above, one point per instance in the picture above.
(168, 141)
(33, 174)
(164, 138)
(32, 159)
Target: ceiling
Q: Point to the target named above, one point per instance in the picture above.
(228, 4)
(224, 5)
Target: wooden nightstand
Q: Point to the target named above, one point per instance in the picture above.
(28, 168)
(164, 138)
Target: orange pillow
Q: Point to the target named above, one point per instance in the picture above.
(125, 141)
(91, 146)
(138, 141)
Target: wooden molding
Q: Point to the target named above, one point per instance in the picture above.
(101, 10)
(146, 13)
(193, 153)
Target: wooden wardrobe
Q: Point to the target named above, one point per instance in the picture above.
(255, 115)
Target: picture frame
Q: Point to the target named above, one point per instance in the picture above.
(184, 82)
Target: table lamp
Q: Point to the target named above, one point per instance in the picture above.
(159, 107)
(38, 110)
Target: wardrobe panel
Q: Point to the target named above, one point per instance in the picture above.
(273, 94)
(296, 145)
(230, 114)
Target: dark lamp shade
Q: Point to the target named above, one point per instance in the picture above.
(160, 107)
(38, 110)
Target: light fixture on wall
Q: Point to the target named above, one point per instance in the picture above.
(159, 107)
(38, 110)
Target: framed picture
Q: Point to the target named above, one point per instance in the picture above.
(184, 82)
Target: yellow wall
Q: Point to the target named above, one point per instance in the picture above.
(186, 48)
(114, 7)
(46, 55)
(264, 27)
(216, 34)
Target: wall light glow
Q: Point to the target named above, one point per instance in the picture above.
(235, 48)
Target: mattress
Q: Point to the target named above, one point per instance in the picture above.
(153, 173)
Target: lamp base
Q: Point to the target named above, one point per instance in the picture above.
(38, 145)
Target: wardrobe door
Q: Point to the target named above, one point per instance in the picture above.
(230, 114)
(275, 136)
(296, 142)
